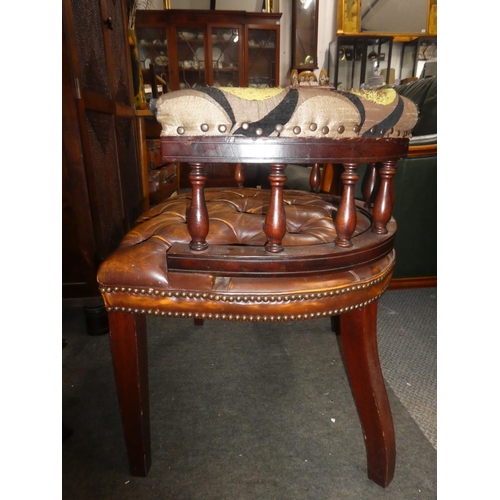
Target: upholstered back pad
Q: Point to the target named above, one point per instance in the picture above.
(285, 112)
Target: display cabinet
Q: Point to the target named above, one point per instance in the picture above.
(359, 59)
(414, 54)
(189, 48)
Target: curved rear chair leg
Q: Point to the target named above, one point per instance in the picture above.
(358, 333)
(130, 362)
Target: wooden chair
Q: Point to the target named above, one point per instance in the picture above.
(246, 254)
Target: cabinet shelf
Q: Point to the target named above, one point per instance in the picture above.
(252, 60)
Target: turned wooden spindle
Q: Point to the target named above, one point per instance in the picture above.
(370, 185)
(197, 219)
(345, 222)
(275, 225)
(239, 175)
(315, 178)
(382, 210)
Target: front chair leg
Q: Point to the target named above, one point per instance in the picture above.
(358, 333)
(130, 362)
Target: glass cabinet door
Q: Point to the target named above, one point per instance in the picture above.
(191, 57)
(226, 47)
(415, 54)
(363, 62)
(347, 71)
(262, 52)
(152, 48)
(378, 62)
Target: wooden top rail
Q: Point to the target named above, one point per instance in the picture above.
(235, 149)
(382, 152)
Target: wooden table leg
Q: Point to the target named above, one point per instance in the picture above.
(130, 362)
(358, 333)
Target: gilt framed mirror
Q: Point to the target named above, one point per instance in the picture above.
(387, 17)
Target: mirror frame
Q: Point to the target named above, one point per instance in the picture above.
(352, 26)
(313, 12)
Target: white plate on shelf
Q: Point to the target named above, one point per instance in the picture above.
(186, 35)
(217, 55)
(200, 54)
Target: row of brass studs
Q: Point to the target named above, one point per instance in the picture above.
(297, 130)
(245, 298)
(244, 317)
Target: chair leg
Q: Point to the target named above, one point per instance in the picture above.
(130, 362)
(358, 333)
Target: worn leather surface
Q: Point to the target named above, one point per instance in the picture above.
(135, 278)
(236, 217)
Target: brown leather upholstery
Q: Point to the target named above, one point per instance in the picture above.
(257, 255)
(137, 273)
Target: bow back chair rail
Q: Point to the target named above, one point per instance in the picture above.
(245, 254)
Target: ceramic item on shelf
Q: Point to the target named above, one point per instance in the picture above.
(217, 55)
(200, 54)
(161, 60)
(186, 35)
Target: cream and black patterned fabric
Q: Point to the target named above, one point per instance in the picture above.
(285, 112)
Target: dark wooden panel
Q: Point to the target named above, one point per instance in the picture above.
(78, 244)
(287, 150)
(102, 187)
